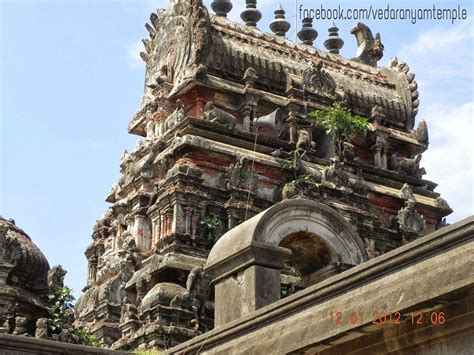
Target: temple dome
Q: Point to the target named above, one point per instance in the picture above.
(29, 267)
(162, 293)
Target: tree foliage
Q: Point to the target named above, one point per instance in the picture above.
(340, 124)
(60, 300)
(211, 226)
(85, 337)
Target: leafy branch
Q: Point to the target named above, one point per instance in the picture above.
(340, 124)
(60, 300)
(211, 225)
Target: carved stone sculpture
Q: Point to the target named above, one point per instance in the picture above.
(348, 153)
(409, 221)
(198, 289)
(184, 47)
(56, 277)
(304, 140)
(406, 192)
(128, 312)
(9, 318)
(316, 79)
(442, 203)
(42, 325)
(358, 183)
(334, 175)
(378, 115)
(369, 49)
(177, 116)
(214, 114)
(21, 326)
(412, 98)
(239, 177)
(421, 133)
(406, 166)
(250, 77)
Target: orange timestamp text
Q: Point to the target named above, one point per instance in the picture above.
(383, 317)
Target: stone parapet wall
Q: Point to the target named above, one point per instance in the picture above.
(20, 345)
(426, 285)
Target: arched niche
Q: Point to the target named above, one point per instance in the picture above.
(309, 252)
(245, 262)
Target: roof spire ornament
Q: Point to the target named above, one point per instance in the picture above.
(221, 7)
(280, 25)
(334, 43)
(251, 15)
(307, 34)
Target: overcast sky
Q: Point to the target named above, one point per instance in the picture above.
(71, 80)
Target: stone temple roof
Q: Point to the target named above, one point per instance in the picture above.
(188, 44)
(284, 61)
(29, 265)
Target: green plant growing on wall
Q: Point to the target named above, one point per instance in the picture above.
(340, 124)
(60, 301)
(299, 181)
(211, 227)
(85, 337)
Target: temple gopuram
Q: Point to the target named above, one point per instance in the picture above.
(228, 156)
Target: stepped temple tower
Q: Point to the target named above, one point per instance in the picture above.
(224, 135)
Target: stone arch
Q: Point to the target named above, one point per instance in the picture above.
(245, 262)
(271, 226)
(312, 217)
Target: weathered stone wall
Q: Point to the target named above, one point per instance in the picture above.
(20, 345)
(428, 276)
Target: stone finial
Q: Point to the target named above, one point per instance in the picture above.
(221, 7)
(280, 25)
(369, 48)
(251, 15)
(307, 34)
(334, 43)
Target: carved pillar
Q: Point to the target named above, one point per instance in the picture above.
(162, 223)
(195, 221)
(377, 149)
(384, 158)
(230, 221)
(100, 252)
(153, 233)
(380, 151)
(158, 227)
(249, 111)
(178, 219)
(188, 212)
(92, 270)
(169, 222)
(141, 232)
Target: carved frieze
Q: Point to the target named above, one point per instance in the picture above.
(318, 80)
(238, 176)
(176, 54)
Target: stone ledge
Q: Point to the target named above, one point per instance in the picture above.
(13, 344)
(431, 268)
